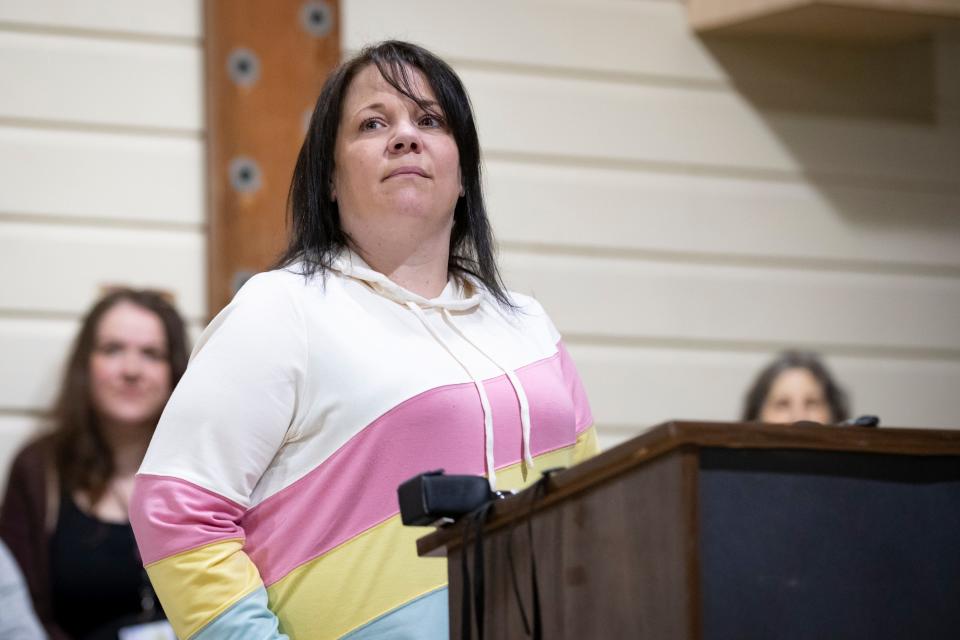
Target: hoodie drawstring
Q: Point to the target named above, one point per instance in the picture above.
(484, 400)
(481, 390)
(517, 389)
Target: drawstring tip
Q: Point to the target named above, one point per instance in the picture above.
(526, 465)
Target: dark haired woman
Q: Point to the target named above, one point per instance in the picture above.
(383, 346)
(65, 513)
(795, 387)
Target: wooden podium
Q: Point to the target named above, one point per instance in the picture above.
(731, 531)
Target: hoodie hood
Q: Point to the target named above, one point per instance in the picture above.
(459, 294)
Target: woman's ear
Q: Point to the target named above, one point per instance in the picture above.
(333, 187)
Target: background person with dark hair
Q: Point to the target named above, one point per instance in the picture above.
(384, 346)
(795, 386)
(65, 513)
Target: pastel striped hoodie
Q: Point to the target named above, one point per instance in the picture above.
(266, 505)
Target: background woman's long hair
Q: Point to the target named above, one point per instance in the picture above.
(82, 457)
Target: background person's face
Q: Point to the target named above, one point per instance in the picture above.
(796, 395)
(396, 167)
(129, 370)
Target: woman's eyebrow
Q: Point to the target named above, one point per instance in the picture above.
(379, 106)
(376, 106)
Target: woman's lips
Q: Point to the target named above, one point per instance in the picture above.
(403, 171)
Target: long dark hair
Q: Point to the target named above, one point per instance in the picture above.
(82, 457)
(835, 396)
(316, 233)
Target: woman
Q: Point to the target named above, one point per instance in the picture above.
(383, 346)
(65, 514)
(795, 387)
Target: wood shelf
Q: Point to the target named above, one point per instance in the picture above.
(851, 21)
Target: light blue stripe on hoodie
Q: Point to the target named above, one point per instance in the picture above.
(248, 619)
(425, 618)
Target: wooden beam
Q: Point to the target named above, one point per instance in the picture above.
(265, 64)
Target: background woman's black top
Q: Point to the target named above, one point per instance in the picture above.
(96, 576)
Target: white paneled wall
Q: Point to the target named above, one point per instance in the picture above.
(684, 128)
(115, 83)
(722, 218)
(120, 178)
(680, 232)
(177, 20)
(101, 158)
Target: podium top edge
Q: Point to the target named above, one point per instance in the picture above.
(805, 435)
(683, 435)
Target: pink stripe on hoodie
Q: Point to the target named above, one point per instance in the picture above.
(324, 508)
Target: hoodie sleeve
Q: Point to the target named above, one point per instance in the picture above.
(223, 425)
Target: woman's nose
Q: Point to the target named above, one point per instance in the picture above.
(132, 366)
(799, 412)
(406, 138)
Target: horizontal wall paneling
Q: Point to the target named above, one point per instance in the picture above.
(173, 18)
(670, 383)
(34, 352)
(100, 82)
(542, 34)
(64, 267)
(610, 210)
(625, 298)
(686, 128)
(118, 177)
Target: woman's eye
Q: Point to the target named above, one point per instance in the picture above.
(430, 121)
(370, 124)
(110, 348)
(154, 354)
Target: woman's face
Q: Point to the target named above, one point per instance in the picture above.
(397, 168)
(796, 395)
(129, 369)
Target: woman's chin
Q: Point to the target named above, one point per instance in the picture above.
(414, 215)
(131, 417)
(415, 200)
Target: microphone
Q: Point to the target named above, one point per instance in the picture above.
(862, 421)
(434, 498)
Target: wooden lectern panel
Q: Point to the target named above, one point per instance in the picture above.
(645, 523)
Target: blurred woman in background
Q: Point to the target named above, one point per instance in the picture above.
(795, 386)
(65, 513)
